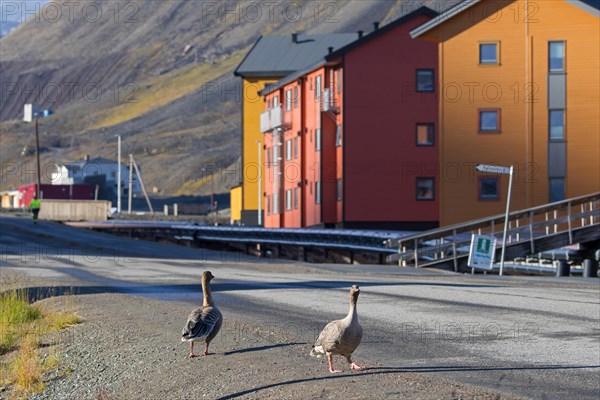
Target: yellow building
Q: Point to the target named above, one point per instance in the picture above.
(519, 85)
(235, 200)
(270, 59)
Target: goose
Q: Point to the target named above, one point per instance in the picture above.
(204, 322)
(341, 336)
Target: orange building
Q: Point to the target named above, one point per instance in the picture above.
(270, 59)
(519, 85)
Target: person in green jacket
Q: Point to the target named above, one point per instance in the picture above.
(35, 206)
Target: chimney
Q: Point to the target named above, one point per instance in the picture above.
(330, 49)
(375, 25)
(294, 37)
(360, 34)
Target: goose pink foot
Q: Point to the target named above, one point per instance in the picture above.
(192, 355)
(356, 367)
(331, 370)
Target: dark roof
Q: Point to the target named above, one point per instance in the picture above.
(82, 163)
(591, 6)
(374, 34)
(292, 77)
(280, 56)
(352, 45)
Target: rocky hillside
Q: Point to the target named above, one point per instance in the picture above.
(158, 73)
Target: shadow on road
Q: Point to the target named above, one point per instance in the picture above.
(99, 284)
(400, 370)
(261, 348)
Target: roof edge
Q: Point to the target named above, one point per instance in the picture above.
(446, 15)
(236, 73)
(291, 77)
(372, 35)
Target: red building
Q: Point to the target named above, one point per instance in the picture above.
(351, 141)
(81, 191)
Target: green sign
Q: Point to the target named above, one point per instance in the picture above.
(482, 252)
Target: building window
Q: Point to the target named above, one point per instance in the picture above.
(556, 56)
(288, 150)
(318, 87)
(275, 203)
(488, 188)
(489, 121)
(556, 121)
(288, 199)
(425, 189)
(268, 205)
(489, 54)
(318, 139)
(296, 97)
(295, 198)
(338, 136)
(288, 99)
(339, 80)
(318, 192)
(425, 80)
(295, 147)
(339, 189)
(268, 157)
(275, 101)
(425, 135)
(557, 189)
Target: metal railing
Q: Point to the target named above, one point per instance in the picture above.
(529, 231)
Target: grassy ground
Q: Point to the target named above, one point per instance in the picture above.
(22, 325)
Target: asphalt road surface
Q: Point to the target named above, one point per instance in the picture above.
(536, 337)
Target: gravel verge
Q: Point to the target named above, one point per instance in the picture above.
(129, 348)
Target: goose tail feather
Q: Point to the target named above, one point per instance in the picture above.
(317, 351)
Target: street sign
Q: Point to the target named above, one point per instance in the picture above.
(492, 168)
(30, 111)
(482, 252)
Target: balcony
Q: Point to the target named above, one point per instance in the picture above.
(329, 101)
(273, 119)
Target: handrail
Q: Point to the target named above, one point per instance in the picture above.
(524, 226)
(496, 219)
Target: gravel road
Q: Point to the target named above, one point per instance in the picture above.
(129, 348)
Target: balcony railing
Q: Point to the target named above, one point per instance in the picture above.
(273, 119)
(329, 101)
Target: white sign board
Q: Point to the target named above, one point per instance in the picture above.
(29, 112)
(482, 252)
(494, 169)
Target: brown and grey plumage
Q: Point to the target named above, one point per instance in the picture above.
(204, 322)
(341, 336)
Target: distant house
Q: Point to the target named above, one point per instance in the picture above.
(99, 172)
(9, 198)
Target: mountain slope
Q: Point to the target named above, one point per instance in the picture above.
(158, 73)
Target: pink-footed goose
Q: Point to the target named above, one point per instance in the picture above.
(204, 322)
(341, 336)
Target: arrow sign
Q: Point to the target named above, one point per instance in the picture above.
(492, 168)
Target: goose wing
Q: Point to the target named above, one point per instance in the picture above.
(201, 323)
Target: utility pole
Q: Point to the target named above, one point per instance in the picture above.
(259, 184)
(37, 155)
(139, 175)
(130, 183)
(119, 189)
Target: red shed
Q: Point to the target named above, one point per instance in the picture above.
(82, 191)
